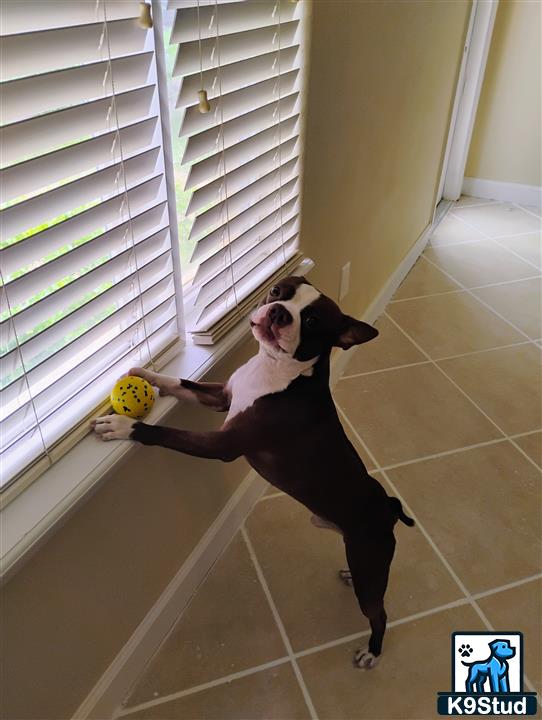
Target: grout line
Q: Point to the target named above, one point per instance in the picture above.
(497, 237)
(393, 623)
(460, 289)
(466, 395)
(470, 599)
(482, 302)
(318, 648)
(281, 628)
(204, 686)
(529, 212)
(520, 257)
(437, 359)
(508, 586)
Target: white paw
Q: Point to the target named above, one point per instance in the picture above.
(346, 577)
(364, 659)
(113, 427)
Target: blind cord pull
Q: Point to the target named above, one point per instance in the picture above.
(145, 18)
(203, 101)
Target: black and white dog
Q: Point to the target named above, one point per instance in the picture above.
(282, 418)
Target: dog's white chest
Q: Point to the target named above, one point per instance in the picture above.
(262, 375)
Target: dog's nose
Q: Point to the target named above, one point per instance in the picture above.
(279, 315)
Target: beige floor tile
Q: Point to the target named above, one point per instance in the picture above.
(451, 324)
(479, 263)
(452, 231)
(369, 464)
(272, 693)
(498, 219)
(228, 627)
(520, 608)
(414, 667)
(410, 412)
(424, 279)
(532, 445)
(300, 564)
(519, 302)
(528, 246)
(466, 200)
(389, 349)
(482, 509)
(505, 383)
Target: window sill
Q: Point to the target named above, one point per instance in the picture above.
(31, 515)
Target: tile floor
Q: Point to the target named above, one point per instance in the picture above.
(454, 428)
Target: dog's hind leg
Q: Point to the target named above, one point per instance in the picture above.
(369, 559)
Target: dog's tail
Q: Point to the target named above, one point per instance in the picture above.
(400, 513)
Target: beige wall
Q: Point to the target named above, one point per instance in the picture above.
(380, 96)
(381, 91)
(506, 140)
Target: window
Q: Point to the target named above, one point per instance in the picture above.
(239, 163)
(87, 264)
(91, 252)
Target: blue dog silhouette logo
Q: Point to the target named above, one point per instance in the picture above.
(494, 669)
(487, 676)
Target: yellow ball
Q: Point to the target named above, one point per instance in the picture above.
(132, 396)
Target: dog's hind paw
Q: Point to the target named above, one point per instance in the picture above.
(364, 659)
(346, 577)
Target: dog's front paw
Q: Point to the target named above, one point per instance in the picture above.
(364, 659)
(113, 427)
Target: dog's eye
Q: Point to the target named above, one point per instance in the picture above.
(275, 291)
(311, 321)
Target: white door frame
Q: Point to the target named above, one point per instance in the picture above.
(469, 85)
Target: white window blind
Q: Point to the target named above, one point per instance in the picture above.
(87, 263)
(243, 154)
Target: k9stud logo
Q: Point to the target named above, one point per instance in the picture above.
(487, 676)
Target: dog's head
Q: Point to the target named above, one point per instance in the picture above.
(502, 649)
(297, 321)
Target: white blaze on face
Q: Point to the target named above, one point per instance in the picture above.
(290, 335)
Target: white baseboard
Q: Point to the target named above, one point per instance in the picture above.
(105, 697)
(340, 358)
(507, 192)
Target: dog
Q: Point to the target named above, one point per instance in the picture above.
(282, 419)
(495, 668)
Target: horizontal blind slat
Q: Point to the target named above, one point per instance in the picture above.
(237, 75)
(74, 196)
(85, 283)
(41, 94)
(31, 138)
(231, 105)
(241, 262)
(242, 152)
(234, 47)
(234, 181)
(37, 174)
(96, 219)
(233, 18)
(241, 200)
(34, 53)
(252, 236)
(36, 15)
(242, 127)
(242, 222)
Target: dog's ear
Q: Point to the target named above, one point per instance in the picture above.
(354, 332)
